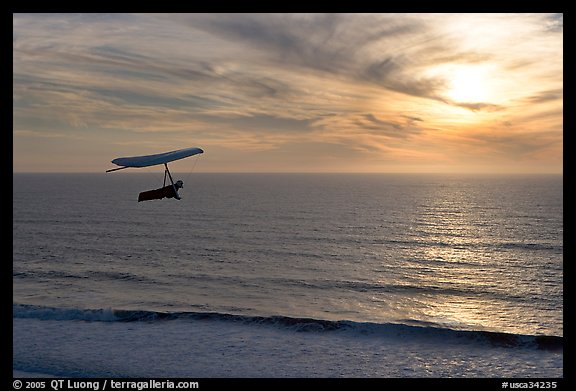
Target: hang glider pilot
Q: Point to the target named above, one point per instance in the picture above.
(170, 191)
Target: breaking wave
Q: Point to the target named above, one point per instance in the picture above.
(407, 329)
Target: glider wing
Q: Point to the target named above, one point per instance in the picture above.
(160, 158)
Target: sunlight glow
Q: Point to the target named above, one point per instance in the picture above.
(469, 85)
(290, 92)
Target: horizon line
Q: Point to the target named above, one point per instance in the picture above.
(499, 173)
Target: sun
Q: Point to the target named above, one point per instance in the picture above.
(469, 84)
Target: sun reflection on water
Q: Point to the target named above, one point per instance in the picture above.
(466, 272)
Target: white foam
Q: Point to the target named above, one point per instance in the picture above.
(209, 348)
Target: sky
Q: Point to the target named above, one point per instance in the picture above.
(290, 92)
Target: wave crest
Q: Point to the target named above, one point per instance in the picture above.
(397, 330)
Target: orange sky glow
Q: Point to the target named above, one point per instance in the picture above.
(290, 92)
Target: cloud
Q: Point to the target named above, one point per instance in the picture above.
(387, 128)
(265, 82)
(545, 96)
(555, 23)
(477, 106)
(379, 49)
(518, 145)
(326, 42)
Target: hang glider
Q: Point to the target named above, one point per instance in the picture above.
(170, 191)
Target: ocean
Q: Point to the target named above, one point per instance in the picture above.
(288, 275)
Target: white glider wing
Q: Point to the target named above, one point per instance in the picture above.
(153, 160)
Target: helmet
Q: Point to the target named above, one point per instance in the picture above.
(179, 184)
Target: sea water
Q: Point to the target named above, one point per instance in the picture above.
(289, 275)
